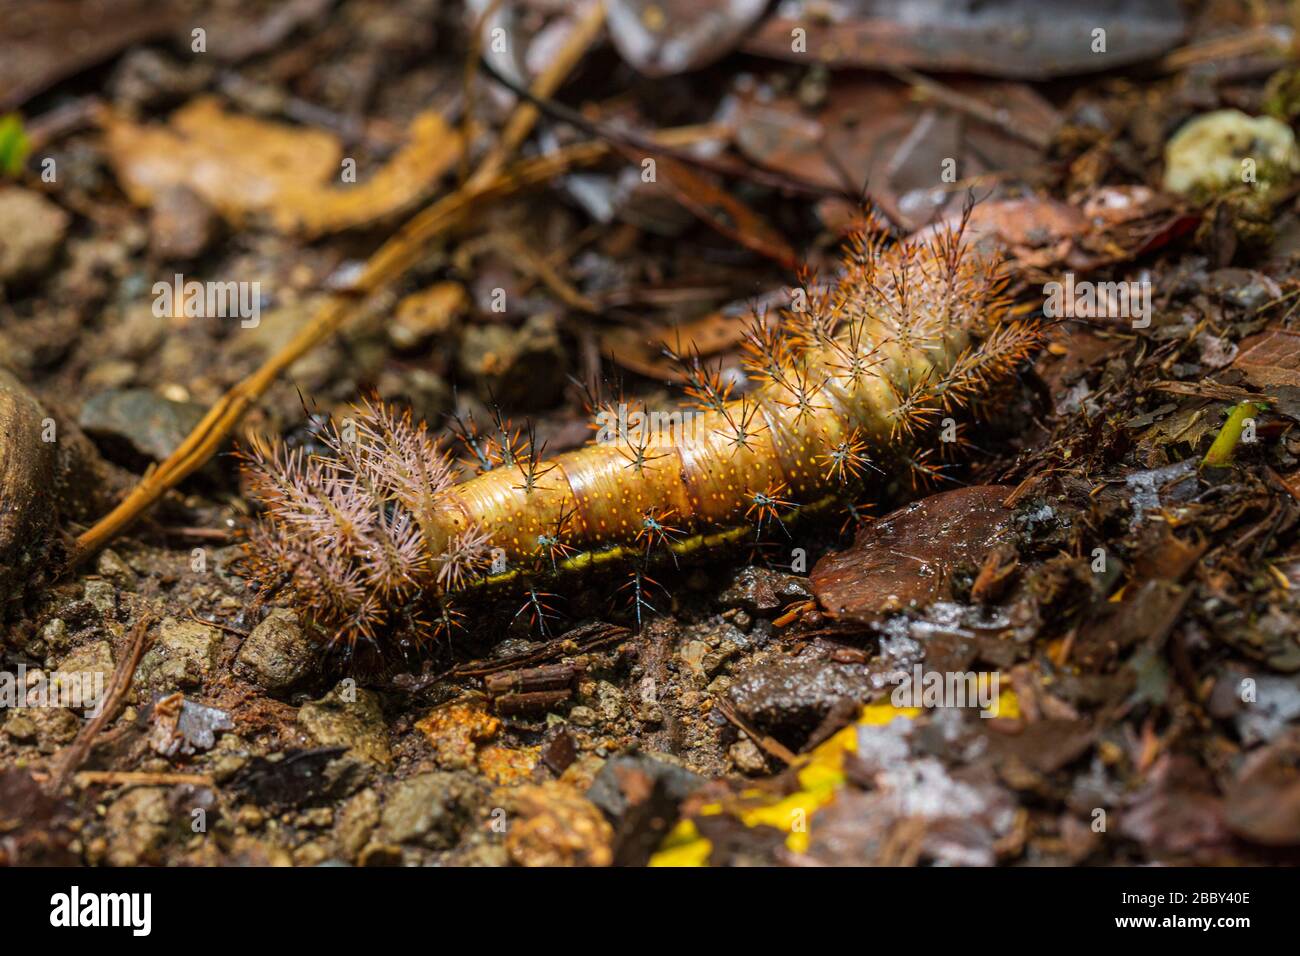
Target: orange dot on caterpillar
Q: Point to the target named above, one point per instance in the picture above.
(861, 374)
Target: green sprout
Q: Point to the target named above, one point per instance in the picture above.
(14, 145)
(1225, 442)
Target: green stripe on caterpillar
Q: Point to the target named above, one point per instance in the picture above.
(375, 533)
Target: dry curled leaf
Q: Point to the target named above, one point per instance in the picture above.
(246, 167)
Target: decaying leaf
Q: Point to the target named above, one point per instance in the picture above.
(1031, 39)
(875, 131)
(725, 213)
(45, 42)
(907, 557)
(1263, 803)
(642, 351)
(1271, 358)
(246, 167)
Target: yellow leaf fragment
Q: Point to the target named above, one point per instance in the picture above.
(246, 167)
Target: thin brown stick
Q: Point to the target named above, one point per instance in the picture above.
(524, 118)
(972, 106)
(141, 778)
(80, 748)
(651, 144)
(769, 745)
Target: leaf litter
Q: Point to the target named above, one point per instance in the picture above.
(1123, 602)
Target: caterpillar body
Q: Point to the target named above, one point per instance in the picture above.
(372, 536)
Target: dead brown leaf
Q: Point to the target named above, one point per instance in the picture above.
(907, 557)
(246, 167)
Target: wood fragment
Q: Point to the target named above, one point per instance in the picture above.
(80, 748)
(768, 745)
(140, 778)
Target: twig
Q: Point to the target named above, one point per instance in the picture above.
(1251, 42)
(141, 778)
(524, 118)
(80, 748)
(765, 743)
(218, 625)
(1213, 390)
(653, 146)
(999, 118)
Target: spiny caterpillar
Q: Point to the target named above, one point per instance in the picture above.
(371, 536)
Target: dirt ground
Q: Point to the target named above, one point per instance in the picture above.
(1110, 555)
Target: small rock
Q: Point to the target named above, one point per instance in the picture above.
(311, 854)
(250, 816)
(518, 368)
(427, 809)
(747, 757)
(583, 716)
(1206, 153)
(553, 825)
(111, 566)
(355, 822)
(226, 765)
(507, 766)
(181, 224)
(102, 596)
(607, 792)
(110, 374)
(316, 817)
(277, 655)
(137, 825)
(28, 466)
(788, 699)
(479, 851)
(426, 314)
(350, 717)
(136, 334)
(185, 727)
(34, 229)
(183, 655)
(764, 592)
(55, 635)
(47, 727)
(454, 730)
(692, 654)
(94, 659)
(609, 701)
(139, 421)
(714, 660)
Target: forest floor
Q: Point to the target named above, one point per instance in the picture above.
(1112, 558)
